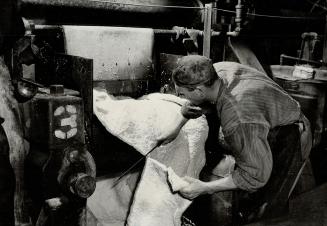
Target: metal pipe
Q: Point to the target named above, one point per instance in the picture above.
(207, 30)
(165, 32)
(283, 56)
(324, 54)
(44, 27)
(156, 31)
(238, 20)
(234, 33)
(215, 13)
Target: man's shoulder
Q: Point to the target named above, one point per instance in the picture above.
(230, 65)
(233, 72)
(227, 65)
(243, 77)
(229, 68)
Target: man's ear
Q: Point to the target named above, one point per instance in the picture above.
(200, 91)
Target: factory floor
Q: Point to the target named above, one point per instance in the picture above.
(307, 209)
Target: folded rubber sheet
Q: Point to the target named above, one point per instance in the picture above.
(146, 123)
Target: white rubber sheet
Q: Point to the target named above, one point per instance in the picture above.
(144, 123)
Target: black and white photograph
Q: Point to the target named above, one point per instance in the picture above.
(163, 113)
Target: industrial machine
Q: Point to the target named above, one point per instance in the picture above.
(120, 46)
(55, 80)
(58, 155)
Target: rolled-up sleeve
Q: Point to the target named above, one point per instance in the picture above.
(252, 154)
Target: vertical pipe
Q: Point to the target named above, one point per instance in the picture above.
(215, 12)
(207, 29)
(238, 18)
(324, 53)
(281, 59)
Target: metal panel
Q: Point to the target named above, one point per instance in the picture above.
(56, 120)
(118, 53)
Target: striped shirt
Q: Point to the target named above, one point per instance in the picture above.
(249, 105)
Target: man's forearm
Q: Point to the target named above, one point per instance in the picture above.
(197, 187)
(223, 184)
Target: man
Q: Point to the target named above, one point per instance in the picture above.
(258, 120)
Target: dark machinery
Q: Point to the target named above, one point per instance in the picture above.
(60, 172)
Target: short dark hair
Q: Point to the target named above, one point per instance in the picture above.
(194, 70)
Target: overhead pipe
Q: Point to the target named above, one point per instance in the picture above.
(156, 31)
(174, 32)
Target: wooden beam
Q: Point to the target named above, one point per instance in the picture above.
(243, 54)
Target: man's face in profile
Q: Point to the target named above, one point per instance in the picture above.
(193, 94)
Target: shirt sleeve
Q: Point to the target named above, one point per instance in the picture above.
(252, 154)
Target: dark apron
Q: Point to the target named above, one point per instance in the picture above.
(239, 207)
(272, 199)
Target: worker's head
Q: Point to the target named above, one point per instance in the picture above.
(193, 78)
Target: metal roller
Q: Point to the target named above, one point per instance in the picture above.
(109, 12)
(138, 6)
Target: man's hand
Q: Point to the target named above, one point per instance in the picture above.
(191, 111)
(193, 189)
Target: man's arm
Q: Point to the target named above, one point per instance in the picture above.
(253, 164)
(252, 155)
(197, 187)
